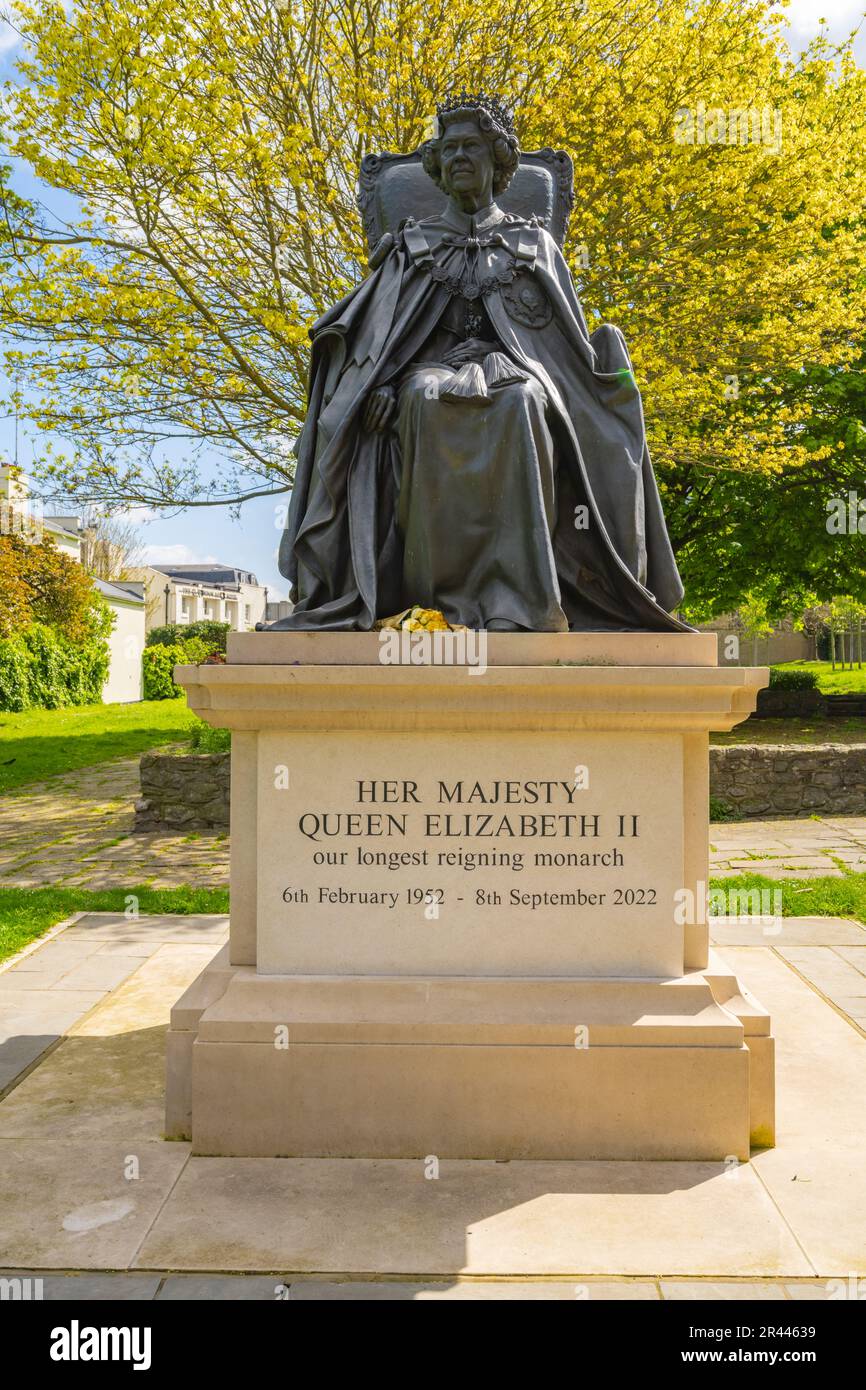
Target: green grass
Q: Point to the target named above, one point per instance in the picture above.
(808, 897)
(816, 729)
(205, 739)
(41, 742)
(831, 682)
(26, 913)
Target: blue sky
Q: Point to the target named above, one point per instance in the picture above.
(249, 540)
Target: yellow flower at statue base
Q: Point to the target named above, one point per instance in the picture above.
(418, 619)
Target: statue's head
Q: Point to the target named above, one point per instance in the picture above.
(475, 142)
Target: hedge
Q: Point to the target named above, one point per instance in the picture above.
(782, 678)
(158, 663)
(42, 669)
(174, 634)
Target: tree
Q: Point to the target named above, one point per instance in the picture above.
(846, 631)
(110, 544)
(752, 620)
(798, 535)
(214, 145)
(39, 584)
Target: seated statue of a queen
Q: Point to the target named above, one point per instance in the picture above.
(469, 446)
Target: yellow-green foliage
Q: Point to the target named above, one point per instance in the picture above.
(215, 145)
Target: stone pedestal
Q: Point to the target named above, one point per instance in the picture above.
(468, 888)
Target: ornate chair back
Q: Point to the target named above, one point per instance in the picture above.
(393, 187)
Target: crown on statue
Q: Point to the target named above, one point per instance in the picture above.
(493, 105)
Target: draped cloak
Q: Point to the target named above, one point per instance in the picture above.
(342, 549)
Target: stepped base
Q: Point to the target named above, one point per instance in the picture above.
(306, 1066)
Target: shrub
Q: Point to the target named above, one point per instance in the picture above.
(171, 634)
(41, 668)
(214, 634)
(48, 688)
(158, 663)
(14, 675)
(166, 636)
(790, 678)
(195, 650)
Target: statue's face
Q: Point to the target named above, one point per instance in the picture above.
(466, 159)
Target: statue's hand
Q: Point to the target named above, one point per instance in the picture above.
(380, 408)
(473, 350)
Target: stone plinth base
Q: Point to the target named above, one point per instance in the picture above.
(468, 911)
(469, 1068)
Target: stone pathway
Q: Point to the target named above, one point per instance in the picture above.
(47, 990)
(75, 831)
(97, 1205)
(828, 953)
(814, 847)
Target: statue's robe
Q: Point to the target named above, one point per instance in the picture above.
(609, 563)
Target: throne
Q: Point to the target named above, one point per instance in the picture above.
(392, 187)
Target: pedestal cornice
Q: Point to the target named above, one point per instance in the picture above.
(461, 698)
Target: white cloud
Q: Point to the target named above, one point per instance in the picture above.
(175, 555)
(803, 15)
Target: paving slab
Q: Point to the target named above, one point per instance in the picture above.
(724, 843)
(46, 993)
(853, 1006)
(142, 949)
(790, 860)
(826, 970)
(815, 1176)
(479, 1217)
(854, 955)
(93, 1087)
(145, 1000)
(164, 928)
(224, 1287)
(720, 1290)
(829, 1290)
(100, 972)
(20, 1052)
(32, 1021)
(51, 958)
(778, 870)
(68, 1204)
(796, 931)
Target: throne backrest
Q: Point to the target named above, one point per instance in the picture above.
(392, 187)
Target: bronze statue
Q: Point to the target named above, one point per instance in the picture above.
(469, 447)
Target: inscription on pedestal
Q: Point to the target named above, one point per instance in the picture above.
(409, 854)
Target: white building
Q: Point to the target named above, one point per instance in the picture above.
(126, 642)
(126, 601)
(195, 593)
(279, 609)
